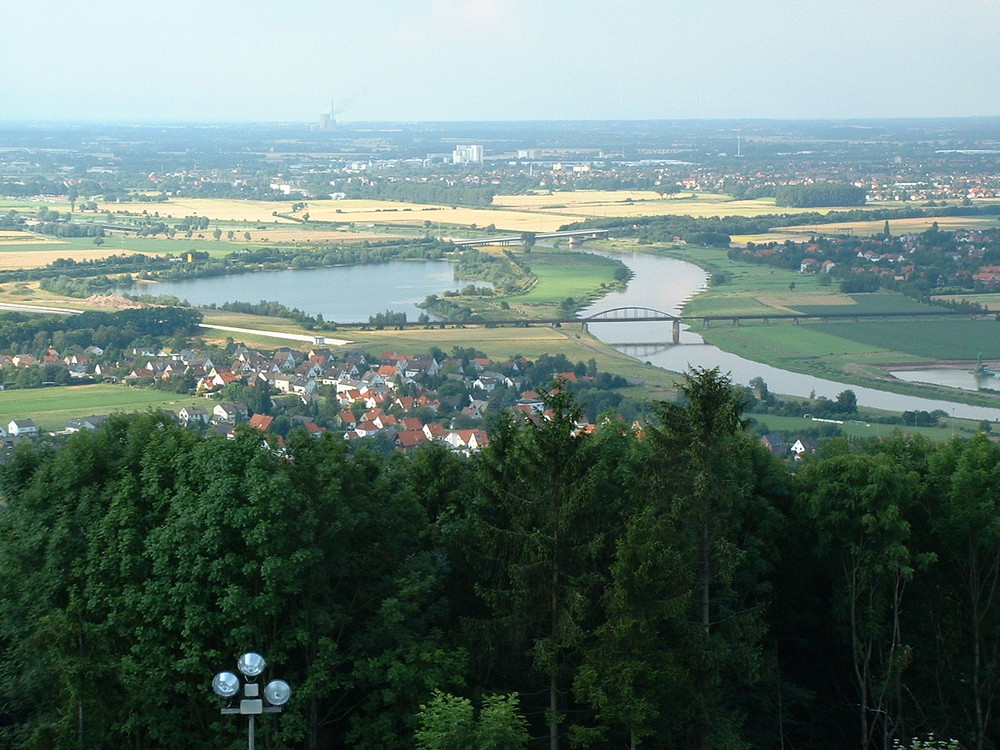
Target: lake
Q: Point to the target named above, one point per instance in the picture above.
(348, 294)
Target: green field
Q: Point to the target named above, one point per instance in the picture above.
(785, 342)
(563, 274)
(153, 245)
(52, 408)
(990, 301)
(845, 351)
(876, 303)
(748, 289)
(860, 429)
(954, 339)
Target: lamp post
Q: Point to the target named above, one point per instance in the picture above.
(227, 685)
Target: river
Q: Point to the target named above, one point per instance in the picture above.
(352, 293)
(665, 284)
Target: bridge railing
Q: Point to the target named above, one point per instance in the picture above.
(629, 313)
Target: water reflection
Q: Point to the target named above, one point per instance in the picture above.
(343, 293)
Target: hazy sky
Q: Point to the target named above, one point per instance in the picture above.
(284, 60)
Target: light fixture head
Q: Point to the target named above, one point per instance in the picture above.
(226, 684)
(251, 664)
(277, 692)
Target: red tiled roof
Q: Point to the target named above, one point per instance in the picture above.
(261, 421)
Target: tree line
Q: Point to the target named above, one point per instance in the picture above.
(672, 586)
(22, 333)
(717, 230)
(819, 194)
(440, 192)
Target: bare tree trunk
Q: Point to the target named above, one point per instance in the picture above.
(706, 615)
(706, 579)
(553, 669)
(313, 724)
(859, 665)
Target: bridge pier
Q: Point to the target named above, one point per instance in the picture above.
(677, 331)
(708, 323)
(736, 322)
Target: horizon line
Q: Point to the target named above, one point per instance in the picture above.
(314, 125)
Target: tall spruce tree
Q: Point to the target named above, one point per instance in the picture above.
(538, 525)
(705, 485)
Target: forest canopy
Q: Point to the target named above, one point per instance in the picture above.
(670, 586)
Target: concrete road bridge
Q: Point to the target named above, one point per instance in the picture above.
(575, 237)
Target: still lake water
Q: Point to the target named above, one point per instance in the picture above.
(344, 293)
(353, 293)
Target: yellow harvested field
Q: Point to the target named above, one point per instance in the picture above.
(353, 211)
(316, 235)
(536, 337)
(665, 207)
(570, 199)
(581, 204)
(414, 214)
(899, 226)
(21, 258)
(218, 209)
(759, 239)
(12, 237)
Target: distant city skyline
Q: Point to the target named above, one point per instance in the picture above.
(454, 60)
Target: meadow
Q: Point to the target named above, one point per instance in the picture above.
(875, 303)
(990, 301)
(859, 429)
(953, 339)
(560, 275)
(52, 408)
(749, 289)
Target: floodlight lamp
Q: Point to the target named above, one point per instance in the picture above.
(277, 692)
(226, 684)
(251, 664)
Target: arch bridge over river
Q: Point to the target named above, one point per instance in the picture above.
(633, 314)
(648, 315)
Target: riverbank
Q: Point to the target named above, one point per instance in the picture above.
(857, 354)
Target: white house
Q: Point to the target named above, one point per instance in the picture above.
(21, 428)
(190, 414)
(804, 446)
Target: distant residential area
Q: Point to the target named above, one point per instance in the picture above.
(960, 260)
